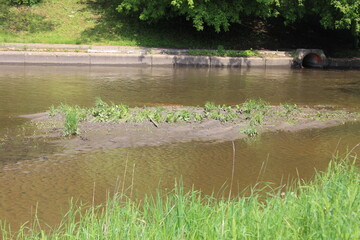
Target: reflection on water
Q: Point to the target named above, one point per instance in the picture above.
(31, 89)
(35, 173)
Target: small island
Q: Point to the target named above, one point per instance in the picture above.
(111, 126)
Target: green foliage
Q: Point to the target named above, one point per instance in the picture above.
(256, 119)
(210, 106)
(71, 125)
(198, 117)
(216, 115)
(183, 115)
(104, 112)
(157, 116)
(250, 131)
(170, 117)
(141, 116)
(290, 107)
(333, 14)
(254, 105)
(23, 2)
(52, 111)
(217, 14)
(224, 53)
(289, 110)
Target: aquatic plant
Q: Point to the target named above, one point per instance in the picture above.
(52, 111)
(183, 115)
(252, 105)
(256, 119)
(251, 131)
(141, 115)
(289, 109)
(210, 106)
(71, 125)
(102, 112)
(198, 117)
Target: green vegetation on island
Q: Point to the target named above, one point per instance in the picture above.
(254, 113)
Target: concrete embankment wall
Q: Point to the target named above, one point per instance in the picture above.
(116, 59)
(343, 63)
(63, 58)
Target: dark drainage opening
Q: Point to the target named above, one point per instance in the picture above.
(312, 60)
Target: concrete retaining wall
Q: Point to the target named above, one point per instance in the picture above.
(63, 58)
(115, 59)
(343, 63)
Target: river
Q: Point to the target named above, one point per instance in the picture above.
(36, 176)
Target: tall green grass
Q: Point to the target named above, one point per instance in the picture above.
(71, 124)
(326, 208)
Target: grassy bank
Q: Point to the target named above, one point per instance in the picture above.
(325, 208)
(96, 22)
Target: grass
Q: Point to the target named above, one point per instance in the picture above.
(95, 22)
(71, 125)
(104, 112)
(224, 53)
(250, 131)
(325, 208)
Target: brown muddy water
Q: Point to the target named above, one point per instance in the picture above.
(36, 175)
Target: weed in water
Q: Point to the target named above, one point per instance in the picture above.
(99, 103)
(216, 115)
(250, 131)
(183, 115)
(170, 117)
(210, 106)
(256, 119)
(157, 116)
(230, 116)
(289, 109)
(198, 117)
(254, 105)
(71, 126)
(141, 116)
(103, 112)
(52, 111)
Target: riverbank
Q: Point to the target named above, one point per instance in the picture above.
(63, 54)
(112, 126)
(325, 208)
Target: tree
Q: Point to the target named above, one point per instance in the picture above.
(219, 14)
(334, 14)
